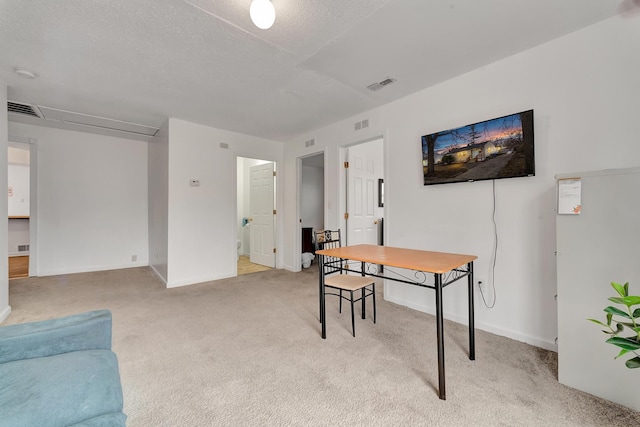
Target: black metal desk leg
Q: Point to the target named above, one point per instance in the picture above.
(323, 317)
(440, 335)
(320, 262)
(472, 333)
(363, 293)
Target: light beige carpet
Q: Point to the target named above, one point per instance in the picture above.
(247, 352)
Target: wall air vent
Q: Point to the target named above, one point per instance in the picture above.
(26, 109)
(381, 84)
(53, 117)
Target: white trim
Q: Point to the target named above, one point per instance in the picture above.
(196, 281)
(158, 275)
(90, 269)
(298, 237)
(5, 313)
(535, 341)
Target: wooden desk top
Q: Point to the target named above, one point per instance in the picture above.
(412, 259)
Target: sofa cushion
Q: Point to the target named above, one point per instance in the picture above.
(60, 390)
(83, 331)
(108, 420)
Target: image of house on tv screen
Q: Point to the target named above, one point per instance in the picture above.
(493, 149)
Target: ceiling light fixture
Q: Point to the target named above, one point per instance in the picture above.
(262, 13)
(23, 72)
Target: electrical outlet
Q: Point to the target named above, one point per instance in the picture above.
(481, 284)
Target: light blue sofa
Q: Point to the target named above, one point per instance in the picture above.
(60, 372)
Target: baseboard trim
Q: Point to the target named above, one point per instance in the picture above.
(291, 268)
(528, 339)
(5, 313)
(195, 281)
(92, 269)
(158, 275)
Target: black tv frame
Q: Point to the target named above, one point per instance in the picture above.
(498, 148)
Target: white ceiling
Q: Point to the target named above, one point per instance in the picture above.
(142, 61)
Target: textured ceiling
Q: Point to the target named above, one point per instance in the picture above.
(142, 61)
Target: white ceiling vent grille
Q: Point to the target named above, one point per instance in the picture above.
(26, 109)
(53, 117)
(380, 85)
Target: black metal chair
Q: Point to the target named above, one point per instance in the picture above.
(338, 279)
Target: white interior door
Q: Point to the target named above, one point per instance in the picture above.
(365, 168)
(262, 215)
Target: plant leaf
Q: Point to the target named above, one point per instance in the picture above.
(628, 324)
(621, 290)
(628, 301)
(631, 300)
(636, 313)
(617, 300)
(609, 317)
(633, 363)
(597, 321)
(619, 328)
(616, 311)
(622, 353)
(625, 343)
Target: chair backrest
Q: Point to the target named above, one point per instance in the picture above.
(329, 239)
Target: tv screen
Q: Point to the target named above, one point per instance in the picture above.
(493, 149)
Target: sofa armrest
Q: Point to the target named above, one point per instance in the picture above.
(83, 331)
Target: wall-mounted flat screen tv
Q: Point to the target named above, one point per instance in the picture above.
(493, 149)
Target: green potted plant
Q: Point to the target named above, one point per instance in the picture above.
(619, 321)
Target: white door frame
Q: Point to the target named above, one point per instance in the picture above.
(278, 203)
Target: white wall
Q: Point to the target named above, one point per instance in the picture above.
(18, 175)
(19, 198)
(584, 90)
(18, 235)
(5, 309)
(158, 199)
(606, 231)
(202, 220)
(91, 200)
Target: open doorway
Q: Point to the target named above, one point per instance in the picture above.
(255, 215)
(311, 203)
(19, 210)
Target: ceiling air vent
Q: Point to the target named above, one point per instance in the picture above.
(26, 109)
(380, 85)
